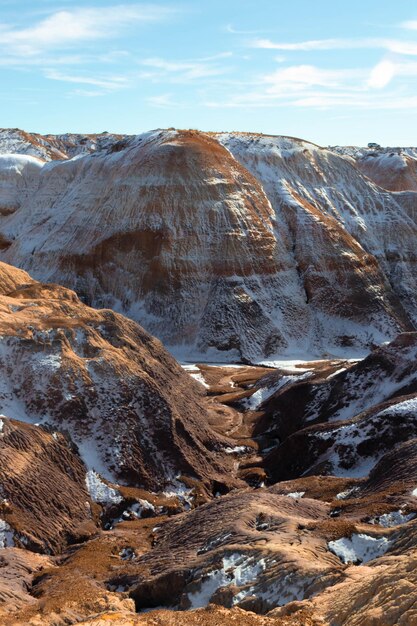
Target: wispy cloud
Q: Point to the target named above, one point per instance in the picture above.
(304, 76)
(390, 45)
(66, 28)
(234, 31)
(332, 101)
(108, 83)
(165, 101)
(86, 93)
(382, 74)
(79, 38)
(306, 46)
(317, 100)
(310, 86)
(185, 70)
(410, 25)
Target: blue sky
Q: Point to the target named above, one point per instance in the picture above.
(330, 72)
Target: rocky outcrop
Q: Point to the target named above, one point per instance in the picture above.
(345, 448)
(53, 147)
(246, 550)
(316, 549)
(45, 502)
(337, 419)
(292, 401)
(394, 169)
(124, 401)
(281, 546)
(18, 568)
(236, 244)
(210, 616)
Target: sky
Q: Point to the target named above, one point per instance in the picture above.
(327, 71)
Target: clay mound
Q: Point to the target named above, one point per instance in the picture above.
(11, 278)
(210, 616)
(395, 171)
(18, 567)
(345, 448)
(245, 244)
(390, 371)
(397, 470)
(381, 593)
(45, 499)
(247, 549)
(334, 215)
(54, 147)
(189, 246)
(130, 408)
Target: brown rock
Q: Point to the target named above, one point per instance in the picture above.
(132, 410)
(44, 495)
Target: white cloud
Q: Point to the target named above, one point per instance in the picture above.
(302, 76)
(321, 88)
(162, 101)
(87, 93)
(184, 71)
(230, 29)
(382, 74)
(67, 28)
(317, 100)
(352, 101)
(110, 84)
(410, 25)
(314, 44)
(391, 45)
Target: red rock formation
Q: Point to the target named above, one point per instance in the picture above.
(251, 245)
(309, 551)
(131, 409)
(394, 169)
(45, 500)
(53, 147)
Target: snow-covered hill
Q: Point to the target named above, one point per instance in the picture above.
(53, 147)
(391, 168)
(123, 400)
(223, 245)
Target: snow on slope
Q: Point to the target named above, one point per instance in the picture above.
(342, 425)
(383, 229)
(54, 147)
(359, 548)
(129, 407)
(19, 177)
(391, 168)
(236, 244)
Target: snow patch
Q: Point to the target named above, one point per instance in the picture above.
(359, 548)
(137, 510)
(265, 392)
(6, 535)
(99, 491)
(237, 570)
(177, 489)
(199, 378)
(400, 409)
(395, 518)
(237, 450)
(127, 554)
(343, 495)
